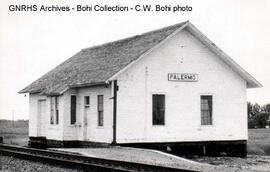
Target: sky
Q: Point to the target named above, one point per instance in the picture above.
(33, 43)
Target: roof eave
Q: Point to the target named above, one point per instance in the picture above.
(254, 85)
(24, 91)
(88, 84)
(83, 85)
(64, 90)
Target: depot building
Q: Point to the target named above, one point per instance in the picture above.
(170, 87)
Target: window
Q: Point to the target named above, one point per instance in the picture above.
(158, 109)
(73, 110)
(86, 101)
(206, 110)
(100, 110)
(52, 110)
(54, 118)
(56, 110)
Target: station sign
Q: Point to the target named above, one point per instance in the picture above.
(183, 77)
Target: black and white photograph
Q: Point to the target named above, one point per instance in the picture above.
(177, 85)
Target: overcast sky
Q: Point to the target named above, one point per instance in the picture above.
(33, 43)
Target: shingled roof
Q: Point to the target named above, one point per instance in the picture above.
(95, 65)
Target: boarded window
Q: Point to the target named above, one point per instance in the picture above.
(206, 110)
(73, 110)
(158, 109)
(86, 101)
(100, 109)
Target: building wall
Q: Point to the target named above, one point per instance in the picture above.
(95, 133)
(53, 131)
(181, 54)
(64, 130)
(33, 111)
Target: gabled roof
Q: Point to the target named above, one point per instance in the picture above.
(99, 64)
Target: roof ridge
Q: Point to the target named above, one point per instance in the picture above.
(135, 36)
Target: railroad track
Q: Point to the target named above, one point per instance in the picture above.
(75, 161)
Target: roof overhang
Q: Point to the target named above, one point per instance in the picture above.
(24, 91)
(84, 85)
(41, 92)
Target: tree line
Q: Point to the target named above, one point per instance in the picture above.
(258, 115)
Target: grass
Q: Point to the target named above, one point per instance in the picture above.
(17, 134)
(259, 141)
(14, 133)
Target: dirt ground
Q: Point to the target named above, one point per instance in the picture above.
(253, 163)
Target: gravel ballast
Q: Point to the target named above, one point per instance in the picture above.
(11, 164)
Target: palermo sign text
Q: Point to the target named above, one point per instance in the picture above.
(183, 77)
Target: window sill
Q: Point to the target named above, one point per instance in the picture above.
(53, 126)
(158, 125)
(75, 125)
(207, 126)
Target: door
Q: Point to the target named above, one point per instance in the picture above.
(85, 123)
(85, 117)
(42, 118)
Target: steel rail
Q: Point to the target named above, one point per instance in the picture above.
(72, 160)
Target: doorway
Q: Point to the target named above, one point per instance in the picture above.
(85, 118)
(42, 118)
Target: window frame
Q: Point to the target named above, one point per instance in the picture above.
(73, 109)
(86, 101)
(56, 102)
(163, 123)
(100, 110)
(205, 108)
(54, 110)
